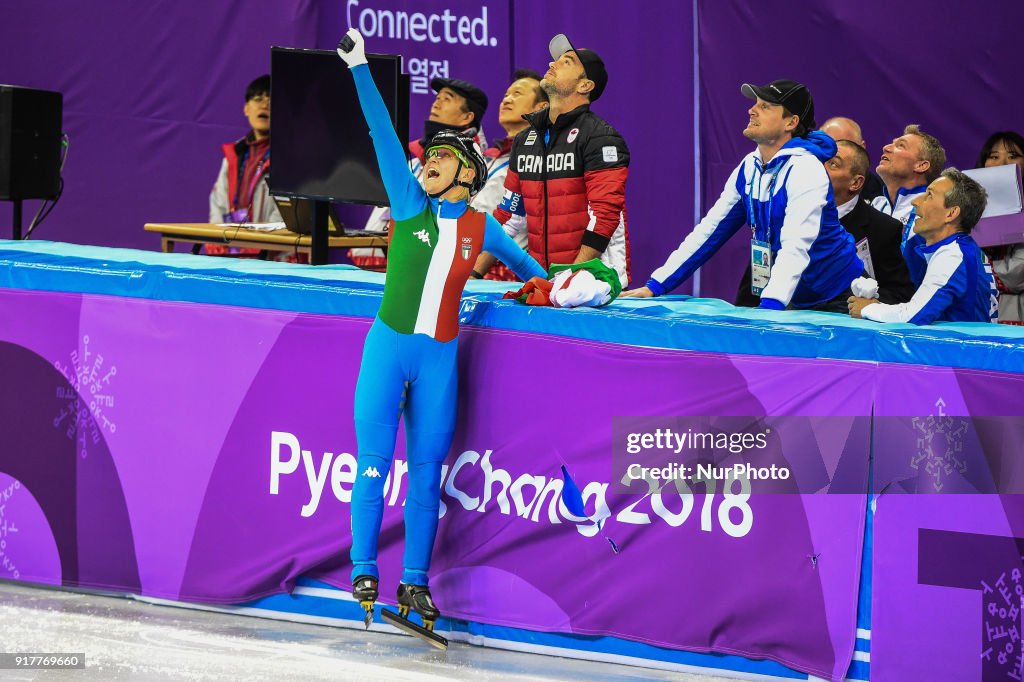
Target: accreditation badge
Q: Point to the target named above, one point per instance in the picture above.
(760, 265)
(865, 256)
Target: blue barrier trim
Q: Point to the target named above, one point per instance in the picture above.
(332, 608)
(859, 670)
(673, 322)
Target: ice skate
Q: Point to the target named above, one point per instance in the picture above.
(364, 589)
(416, 598)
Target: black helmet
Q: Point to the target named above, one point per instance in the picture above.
(469, 154)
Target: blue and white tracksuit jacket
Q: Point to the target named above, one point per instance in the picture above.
(789, 204)
(954, 284)
(902, 208)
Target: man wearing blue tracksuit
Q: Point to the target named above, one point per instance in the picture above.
(801, 257)
(953, 277)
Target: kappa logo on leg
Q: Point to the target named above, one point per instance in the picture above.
(371, 472)
(423, 236)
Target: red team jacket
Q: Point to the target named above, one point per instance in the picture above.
(568, 182)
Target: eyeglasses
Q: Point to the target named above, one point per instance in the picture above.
(260, 99)
(445, 152)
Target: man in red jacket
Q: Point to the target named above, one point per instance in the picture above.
(566, 183)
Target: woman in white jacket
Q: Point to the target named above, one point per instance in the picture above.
(1000, 149)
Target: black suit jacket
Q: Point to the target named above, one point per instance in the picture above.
(884, 234)
(872, 188)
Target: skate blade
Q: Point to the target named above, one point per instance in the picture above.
(407, 626)
(368, 616)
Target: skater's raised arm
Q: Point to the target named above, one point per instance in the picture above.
(407, 197)
(511, 254)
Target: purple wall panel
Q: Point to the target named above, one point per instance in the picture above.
(649, 57)
(883, 64)
(480, 54)
(151, 91)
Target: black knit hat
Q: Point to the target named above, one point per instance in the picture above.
(476, 99)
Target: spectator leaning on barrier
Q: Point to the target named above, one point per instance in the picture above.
(907, 166)
(459, 106)
(801, 256)
(954, 280)
(566, 183)
(843, 128)
(876, 235)
(1001, 149)
(524, 96)
(241, 193)
(838, 128)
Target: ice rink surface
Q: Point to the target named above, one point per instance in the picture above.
(124, 639)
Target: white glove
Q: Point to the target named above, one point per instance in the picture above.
(351, 49)
(864, 287)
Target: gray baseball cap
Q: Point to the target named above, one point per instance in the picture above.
(593, 65)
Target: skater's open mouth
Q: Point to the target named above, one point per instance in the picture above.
(433, 173)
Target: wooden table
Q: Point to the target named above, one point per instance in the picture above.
(278, 240)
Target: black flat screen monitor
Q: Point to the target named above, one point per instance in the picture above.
(321, 143)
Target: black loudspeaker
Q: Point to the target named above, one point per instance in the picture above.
(30, 134)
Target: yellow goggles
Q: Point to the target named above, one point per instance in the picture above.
(433, 151)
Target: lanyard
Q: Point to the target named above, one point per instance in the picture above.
(255, 176)
(751, 215)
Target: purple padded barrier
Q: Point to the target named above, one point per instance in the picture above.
(216, 446)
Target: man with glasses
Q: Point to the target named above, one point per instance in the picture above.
(241, 193)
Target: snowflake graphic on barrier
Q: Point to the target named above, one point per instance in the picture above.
(8, 569)
(939, 445)
(1002, 622)
(88, 395)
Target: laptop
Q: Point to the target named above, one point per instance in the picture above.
(297, 215)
